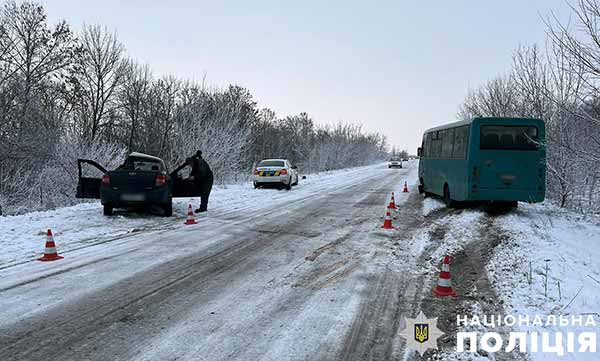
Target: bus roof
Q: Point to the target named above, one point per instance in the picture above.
(469, 121)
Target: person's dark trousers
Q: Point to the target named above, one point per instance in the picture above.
(206, 188)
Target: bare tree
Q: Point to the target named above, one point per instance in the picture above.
(95, 80)
(497, 98)
(136, 86)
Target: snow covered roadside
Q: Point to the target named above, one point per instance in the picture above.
(549, 266)
(22, 237)
(525, 242)
(228, 286)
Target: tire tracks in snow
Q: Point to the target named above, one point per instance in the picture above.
(392, 293)
(476, 293)
(119, 319)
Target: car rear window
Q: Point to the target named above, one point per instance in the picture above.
(139, 164)
(509, 137)
(395, 159)
(271, 163)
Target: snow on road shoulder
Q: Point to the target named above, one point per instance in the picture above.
(549, 267)
(22, 237)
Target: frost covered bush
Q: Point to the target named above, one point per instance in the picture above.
(55, 183)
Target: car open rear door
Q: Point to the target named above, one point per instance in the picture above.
(88, 187)
(181, 187)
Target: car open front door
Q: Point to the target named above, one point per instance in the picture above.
(88, 187)
(181, 187)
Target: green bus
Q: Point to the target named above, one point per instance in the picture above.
(499, 160)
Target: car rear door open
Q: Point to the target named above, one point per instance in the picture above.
(181, 187)
(87, 186)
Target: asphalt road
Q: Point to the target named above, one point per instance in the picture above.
(316, 279)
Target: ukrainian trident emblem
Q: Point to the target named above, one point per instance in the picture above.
(421, 332)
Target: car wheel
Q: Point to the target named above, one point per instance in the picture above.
(256, 185)
(447, 198)
(108, 210)
(288, 186)
(167, 209)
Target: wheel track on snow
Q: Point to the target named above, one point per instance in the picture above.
(93, 315)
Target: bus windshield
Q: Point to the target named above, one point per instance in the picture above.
(509, 137)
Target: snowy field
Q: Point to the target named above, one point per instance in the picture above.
(550, 266)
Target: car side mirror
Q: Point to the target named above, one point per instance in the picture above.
(419, 151)
(294, 167)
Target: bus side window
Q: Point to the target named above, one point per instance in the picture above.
(427, 149)
(447, 143)
(460, 146)
(461, 141)
(436, 145)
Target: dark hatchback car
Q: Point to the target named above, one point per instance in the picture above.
(141, 181)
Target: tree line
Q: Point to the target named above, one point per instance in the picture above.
(558, 82)
(67, 95)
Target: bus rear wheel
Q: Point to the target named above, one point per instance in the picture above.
(447, 199)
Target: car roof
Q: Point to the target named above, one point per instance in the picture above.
(147, 156)
(278, 159)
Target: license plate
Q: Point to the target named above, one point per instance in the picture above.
(268, 173)
(128, 197)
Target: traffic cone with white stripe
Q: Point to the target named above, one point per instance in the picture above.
(387, 223)
(50, 253)
(444, 285)
(392, 204)
(190, 216)
(405, 190)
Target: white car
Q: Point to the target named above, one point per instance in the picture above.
(275, 172)
(395, 162)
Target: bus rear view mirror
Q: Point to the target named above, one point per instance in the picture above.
(419, 151)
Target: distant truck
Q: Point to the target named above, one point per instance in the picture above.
(141, 181)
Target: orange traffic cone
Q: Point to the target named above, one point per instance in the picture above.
(405, 190)
(387, 223)
(392, 204)
(50, 251)
(444, 285)
(190, 216)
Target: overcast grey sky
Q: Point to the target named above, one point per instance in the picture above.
(397, 67)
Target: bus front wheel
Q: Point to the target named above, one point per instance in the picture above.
(447, 199)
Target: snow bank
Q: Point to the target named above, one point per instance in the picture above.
(549, 266)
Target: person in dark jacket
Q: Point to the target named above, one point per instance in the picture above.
(203, 179)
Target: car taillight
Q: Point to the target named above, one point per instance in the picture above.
(256, 172)
(161, 180)
(283, 172)
(106, 179)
